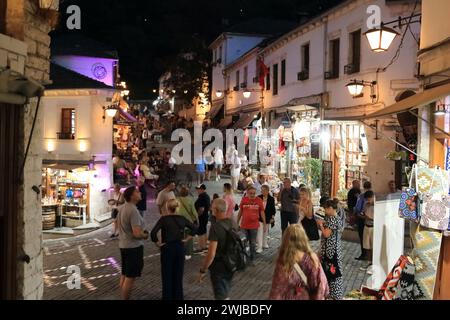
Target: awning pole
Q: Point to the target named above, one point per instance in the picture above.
(431, 124)
(396, 142)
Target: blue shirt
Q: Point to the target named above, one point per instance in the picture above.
(201, 166)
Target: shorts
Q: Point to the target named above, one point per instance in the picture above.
(210, 167)
(218, 166)
(202, 224)
(368, 238)
(132, 261)
(221, 283)
(114, 213)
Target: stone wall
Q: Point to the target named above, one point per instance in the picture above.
(28, 37)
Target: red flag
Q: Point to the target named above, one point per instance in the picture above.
(263, 72)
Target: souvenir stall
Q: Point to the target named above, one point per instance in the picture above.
(348, 153)
(425, 203)
(65, 197)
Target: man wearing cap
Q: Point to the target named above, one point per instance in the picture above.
(202, 205)
(164, 196)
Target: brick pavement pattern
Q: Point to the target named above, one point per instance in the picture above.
(98, 258)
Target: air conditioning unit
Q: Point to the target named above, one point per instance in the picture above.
(236, 88)
(244, 85)
(350, 69)
(330, 75)
(255, 80)
(303, 75)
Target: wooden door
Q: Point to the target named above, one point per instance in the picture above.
(10, 117)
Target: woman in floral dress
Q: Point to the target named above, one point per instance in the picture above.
(331, 247)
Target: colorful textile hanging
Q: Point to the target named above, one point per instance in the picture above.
(407, 288)
(427, 248)
(426, 183)
(389, 287)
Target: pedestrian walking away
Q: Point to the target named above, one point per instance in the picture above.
(219, 241)
(132, 232)
(298, 273)
(172, 241)
(202, 205)
(142, 204)
(187, 210)
(358, 211)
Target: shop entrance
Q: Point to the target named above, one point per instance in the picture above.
(10, 116)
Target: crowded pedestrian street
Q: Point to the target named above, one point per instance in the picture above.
(98, 257)
(238, 154)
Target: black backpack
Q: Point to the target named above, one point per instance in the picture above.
(237, 250)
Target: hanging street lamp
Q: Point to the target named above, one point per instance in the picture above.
(380, 39)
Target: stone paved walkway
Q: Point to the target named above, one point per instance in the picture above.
(99, 261)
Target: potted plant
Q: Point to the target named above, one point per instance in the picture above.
(395, 155)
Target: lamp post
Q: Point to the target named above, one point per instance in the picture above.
(355, 88)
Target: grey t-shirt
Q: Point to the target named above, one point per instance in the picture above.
(288, 197)
(127, 218)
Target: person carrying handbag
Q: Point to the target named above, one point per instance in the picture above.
(187, 210)
(331, 248)
(298, 273)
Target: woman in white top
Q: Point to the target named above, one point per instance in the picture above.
(235, 170)
(218, 161)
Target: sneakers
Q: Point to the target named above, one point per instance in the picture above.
(187, 258)
(266, 246)
(367, 268)
(114, 236)
(259, 251)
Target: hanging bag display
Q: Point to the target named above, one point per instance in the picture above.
(409, 200)
(436, 206)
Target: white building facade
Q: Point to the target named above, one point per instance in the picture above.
(310, 67)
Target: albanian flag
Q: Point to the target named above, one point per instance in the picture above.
(263, 71)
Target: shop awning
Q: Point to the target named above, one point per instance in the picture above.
(68, 164)
(245, 120)
(214, 111)
(225, 123)
(125, 117)
(277, 122)
(413, 102)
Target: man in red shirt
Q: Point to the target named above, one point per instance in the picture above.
(251, 210)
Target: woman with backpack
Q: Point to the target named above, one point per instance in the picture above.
(298, 274)
(172, 242)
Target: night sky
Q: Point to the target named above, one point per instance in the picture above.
(149, 33)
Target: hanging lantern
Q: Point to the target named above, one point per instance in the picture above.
(380, 39)
(355, 88)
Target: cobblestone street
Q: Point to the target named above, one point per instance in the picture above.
(99, 260)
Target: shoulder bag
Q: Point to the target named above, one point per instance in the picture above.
(409, 207)
(331, 266)
(436, 206)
